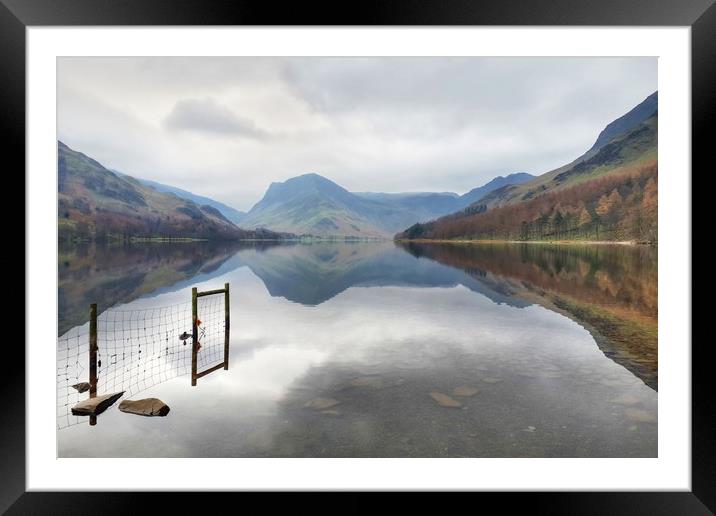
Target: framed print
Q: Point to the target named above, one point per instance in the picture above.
(418, 248)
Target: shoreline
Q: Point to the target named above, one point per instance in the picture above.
(544, 242)
(141, 240)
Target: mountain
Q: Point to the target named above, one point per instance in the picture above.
(428, 205)
(639, 114)
(312, 204)
(608, 193)
(419, 205)
(499, 182)
(230, 213)
(94, 203)
(638, 142)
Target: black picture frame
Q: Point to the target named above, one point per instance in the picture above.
(700, 15)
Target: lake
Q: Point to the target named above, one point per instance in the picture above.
(367, 350)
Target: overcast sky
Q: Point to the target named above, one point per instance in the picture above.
(227, 127)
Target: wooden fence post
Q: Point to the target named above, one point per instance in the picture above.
(93, 357)
(195, 336)
(227, 323)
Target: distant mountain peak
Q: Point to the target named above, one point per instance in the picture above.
(300, 186)
(308, 177)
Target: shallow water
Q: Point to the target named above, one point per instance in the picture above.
(378, 350)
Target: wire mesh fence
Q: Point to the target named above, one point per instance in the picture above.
(139, 349)
(72, 369)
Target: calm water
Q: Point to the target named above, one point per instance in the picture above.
(352, 350)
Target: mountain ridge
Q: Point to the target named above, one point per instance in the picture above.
(642, 111)
(95, 203)
(313, 204)
(608, 193)
(232, 214)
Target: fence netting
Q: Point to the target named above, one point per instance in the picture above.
(72, 368)
(137, 350)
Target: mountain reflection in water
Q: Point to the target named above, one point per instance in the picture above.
(610, 289)
(383, 331)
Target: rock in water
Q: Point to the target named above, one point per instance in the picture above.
(464, 391)
(444, 400)
(145, 407)
(626, 399)
(321, 403)
(367, 381)
(95, 406)
(490, 379)
(640, 416)
(81, 387)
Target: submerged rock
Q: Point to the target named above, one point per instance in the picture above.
(490, 379)
(626, 399)
(444, 400)
(612, 383)
(81, 387)
(145, 407)
(95, 406)
(321, 403)
(464, 391)
(640, 416)
(367, 381)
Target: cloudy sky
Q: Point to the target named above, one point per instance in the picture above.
(227, 127)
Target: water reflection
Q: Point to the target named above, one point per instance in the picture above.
(346, 350)
(112, 274)
(313, 274)
(611, 289)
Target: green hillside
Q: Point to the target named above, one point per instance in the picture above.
(97, 204)
(230, 213)
(313, 205)
(638, 144)
(609, 193)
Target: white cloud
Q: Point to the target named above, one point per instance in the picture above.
(209, 116)
(227, 127)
